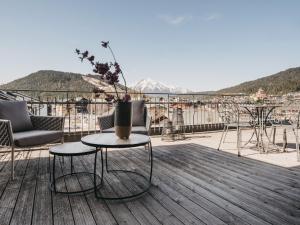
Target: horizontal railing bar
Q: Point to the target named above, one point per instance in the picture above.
(140, 93)
(106, 103)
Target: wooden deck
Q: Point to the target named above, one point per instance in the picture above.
(192, 184)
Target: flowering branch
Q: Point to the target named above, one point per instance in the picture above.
(106, 45)
(107, 71)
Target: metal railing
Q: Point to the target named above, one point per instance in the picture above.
(81, 109)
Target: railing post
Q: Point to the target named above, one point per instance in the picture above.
(168, 99)
(69, 112)
(31, 105)
(55, 105)
(39, 105)
(47, 106)
(193, 123)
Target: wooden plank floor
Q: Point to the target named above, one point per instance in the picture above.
(192, 184)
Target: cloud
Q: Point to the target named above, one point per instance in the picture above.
(212, 16)
(175, 20)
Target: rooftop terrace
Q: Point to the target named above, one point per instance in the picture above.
(193, 183)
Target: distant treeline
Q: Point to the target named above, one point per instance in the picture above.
(279, 83)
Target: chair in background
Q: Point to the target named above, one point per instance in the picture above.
(141, 121)
(178, 123)
(234, 117)
(19, 129)
(286, 117)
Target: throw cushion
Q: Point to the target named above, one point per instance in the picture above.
(16, 112)
(138, 113)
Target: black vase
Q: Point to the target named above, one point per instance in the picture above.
(123, 119)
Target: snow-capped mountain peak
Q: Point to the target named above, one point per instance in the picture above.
(151, 86)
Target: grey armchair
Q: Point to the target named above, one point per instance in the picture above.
(19, 129)
(141, 121)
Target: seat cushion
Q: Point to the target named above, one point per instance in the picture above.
(16, 112)
(138, 113)
(36, 137)
(135, 130)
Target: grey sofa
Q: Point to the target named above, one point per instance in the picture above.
(141, 121)
(19, 129)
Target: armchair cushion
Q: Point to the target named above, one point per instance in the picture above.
(16, 112)
(106, 122)
(138, 113)
(36, 137)
(134, 130)
(47, 122)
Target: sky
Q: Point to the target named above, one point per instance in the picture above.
(195, 44)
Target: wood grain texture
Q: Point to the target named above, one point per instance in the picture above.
(192, 184)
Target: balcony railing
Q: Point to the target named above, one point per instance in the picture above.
(81, 109)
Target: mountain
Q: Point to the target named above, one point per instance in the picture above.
(51, 80)
(280, 83)
(150, 86)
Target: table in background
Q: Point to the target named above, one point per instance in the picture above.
(260, 114)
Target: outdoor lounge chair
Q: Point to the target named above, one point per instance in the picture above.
(141, 121)
(19, 129)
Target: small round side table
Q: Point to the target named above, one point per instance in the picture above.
(73, 149)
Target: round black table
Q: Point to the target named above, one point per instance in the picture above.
(110, 140)
(71, 150)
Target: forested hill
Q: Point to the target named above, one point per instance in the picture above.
(50, 80)
(279, 83)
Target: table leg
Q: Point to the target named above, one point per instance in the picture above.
(222, 137)
(72, 165)
(274, 135)
(95, 174)
(297, 144)
(225, 135)
(238, 140)
(256, 134)
(95, 170)
(254, 125)
(102, 166)
(260, 131)
(284, 140)
(273, 131)
(106, 161)
(151, 161)
(53, 174)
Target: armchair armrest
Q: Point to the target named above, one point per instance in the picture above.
(6, 137)
(106, 122)
(48, 122)
(148, 124)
